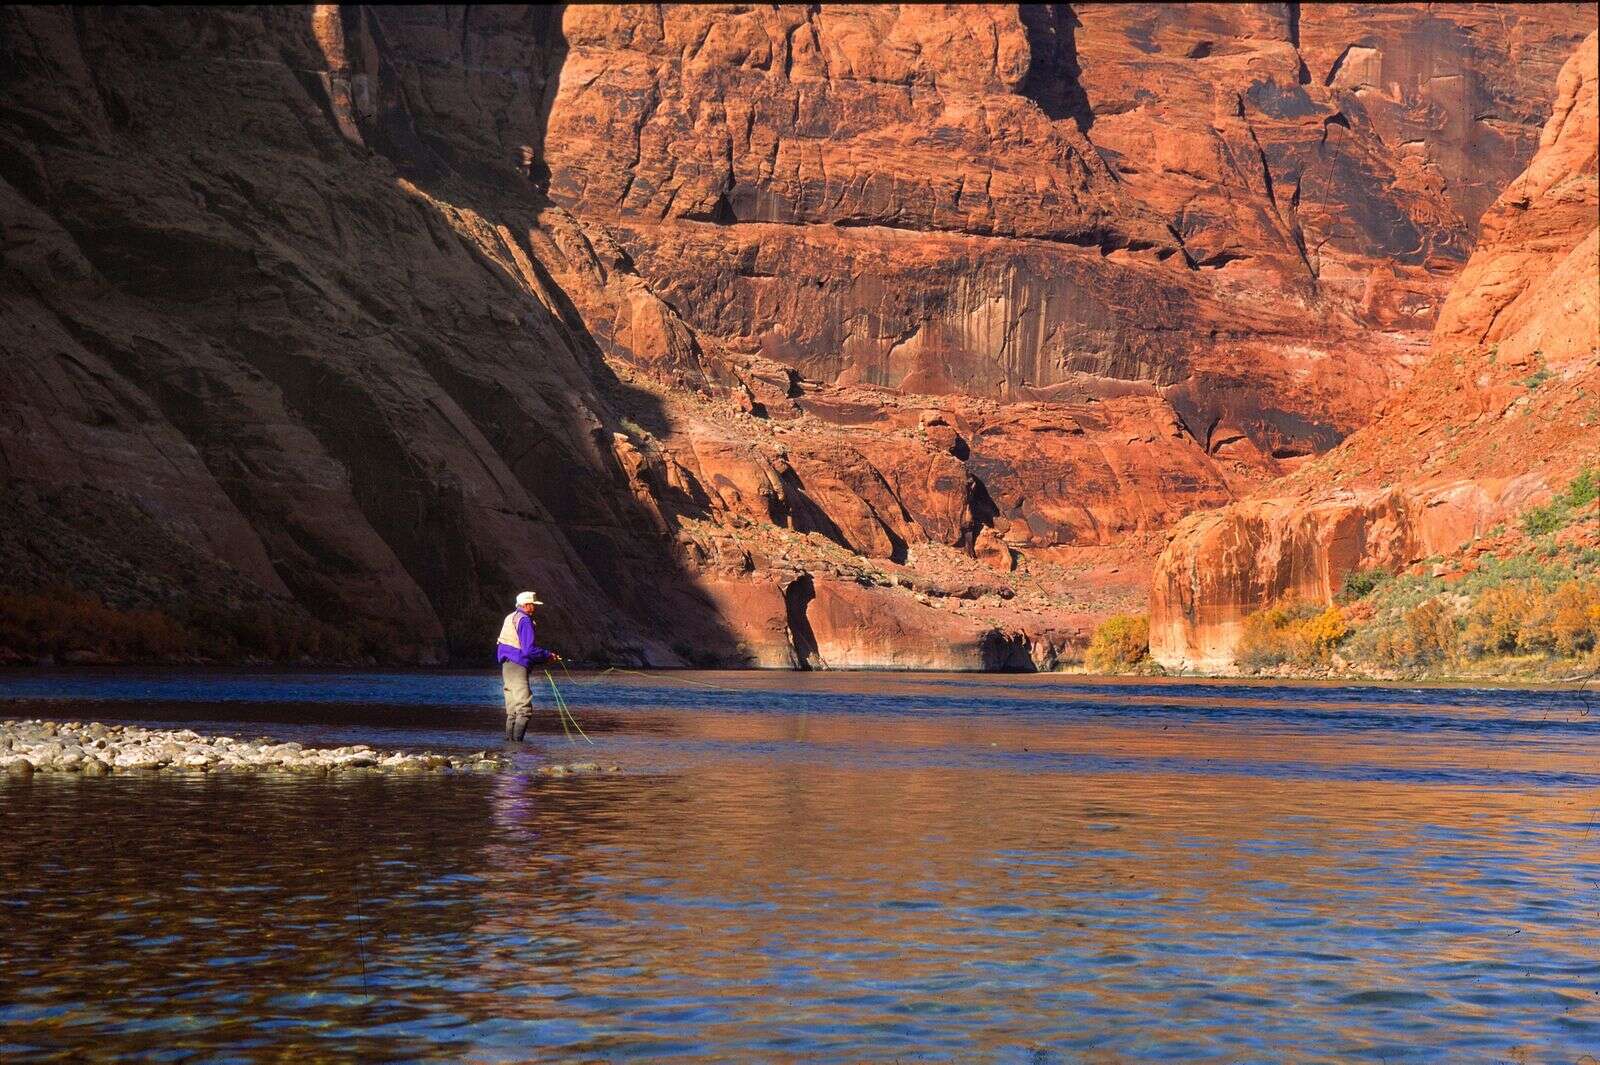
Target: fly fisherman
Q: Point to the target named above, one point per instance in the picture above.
(518, 650)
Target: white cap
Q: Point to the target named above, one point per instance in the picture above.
(524, 598)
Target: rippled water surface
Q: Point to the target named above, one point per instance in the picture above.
(799, 868)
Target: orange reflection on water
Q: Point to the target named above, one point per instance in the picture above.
(1019, 908)
(828, 886)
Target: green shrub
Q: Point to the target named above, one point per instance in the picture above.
(1584, 488)
(1120, 642)
(1359, 583)
(1546, 519)
(1580, 492)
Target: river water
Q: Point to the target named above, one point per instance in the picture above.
(818, 868)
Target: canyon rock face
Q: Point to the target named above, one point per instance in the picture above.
(1255, 209)
(797, 336)
(1503, 413)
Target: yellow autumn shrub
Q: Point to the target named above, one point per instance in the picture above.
(1120, 642)
(1570, 617)
(1431, 627)
(1319, 635)
(1524, 618)
(1291, 632)
(1495, 620)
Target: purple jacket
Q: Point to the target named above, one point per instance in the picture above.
(527, 650)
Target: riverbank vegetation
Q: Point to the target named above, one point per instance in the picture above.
(1120, 644)
(1521, 602)
(1294, 631)
(66, 598)
(1517, 618)
(1524, 605)
(64, 626)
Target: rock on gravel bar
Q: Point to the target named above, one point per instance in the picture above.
(94, 749)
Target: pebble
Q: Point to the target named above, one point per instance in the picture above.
(97, 750)
(574, 768)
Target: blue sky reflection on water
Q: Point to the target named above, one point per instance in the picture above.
(845, 868)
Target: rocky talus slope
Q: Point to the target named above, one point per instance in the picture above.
(784, 336)
(1504, 412)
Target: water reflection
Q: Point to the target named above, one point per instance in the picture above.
(158, 916)
(817, 886)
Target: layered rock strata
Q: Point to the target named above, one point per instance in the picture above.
(1503, 413)
(1256, 209)
(792, 336)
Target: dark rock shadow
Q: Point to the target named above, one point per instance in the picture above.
(626, 545)
(1053, 75)
(797, 597)
(336, 255)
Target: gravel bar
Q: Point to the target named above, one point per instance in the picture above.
(94, 749)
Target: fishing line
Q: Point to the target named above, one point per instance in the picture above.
(564, 713)
(565, 731)
(559, 715)
(668, 676)
(562, 662)
(573, 720)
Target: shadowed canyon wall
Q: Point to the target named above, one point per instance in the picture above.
(784, 336)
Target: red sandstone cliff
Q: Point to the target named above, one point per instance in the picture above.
(1254, 209)
(838, 336)
(1503, 412)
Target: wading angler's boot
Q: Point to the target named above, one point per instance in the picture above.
(517, 730)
